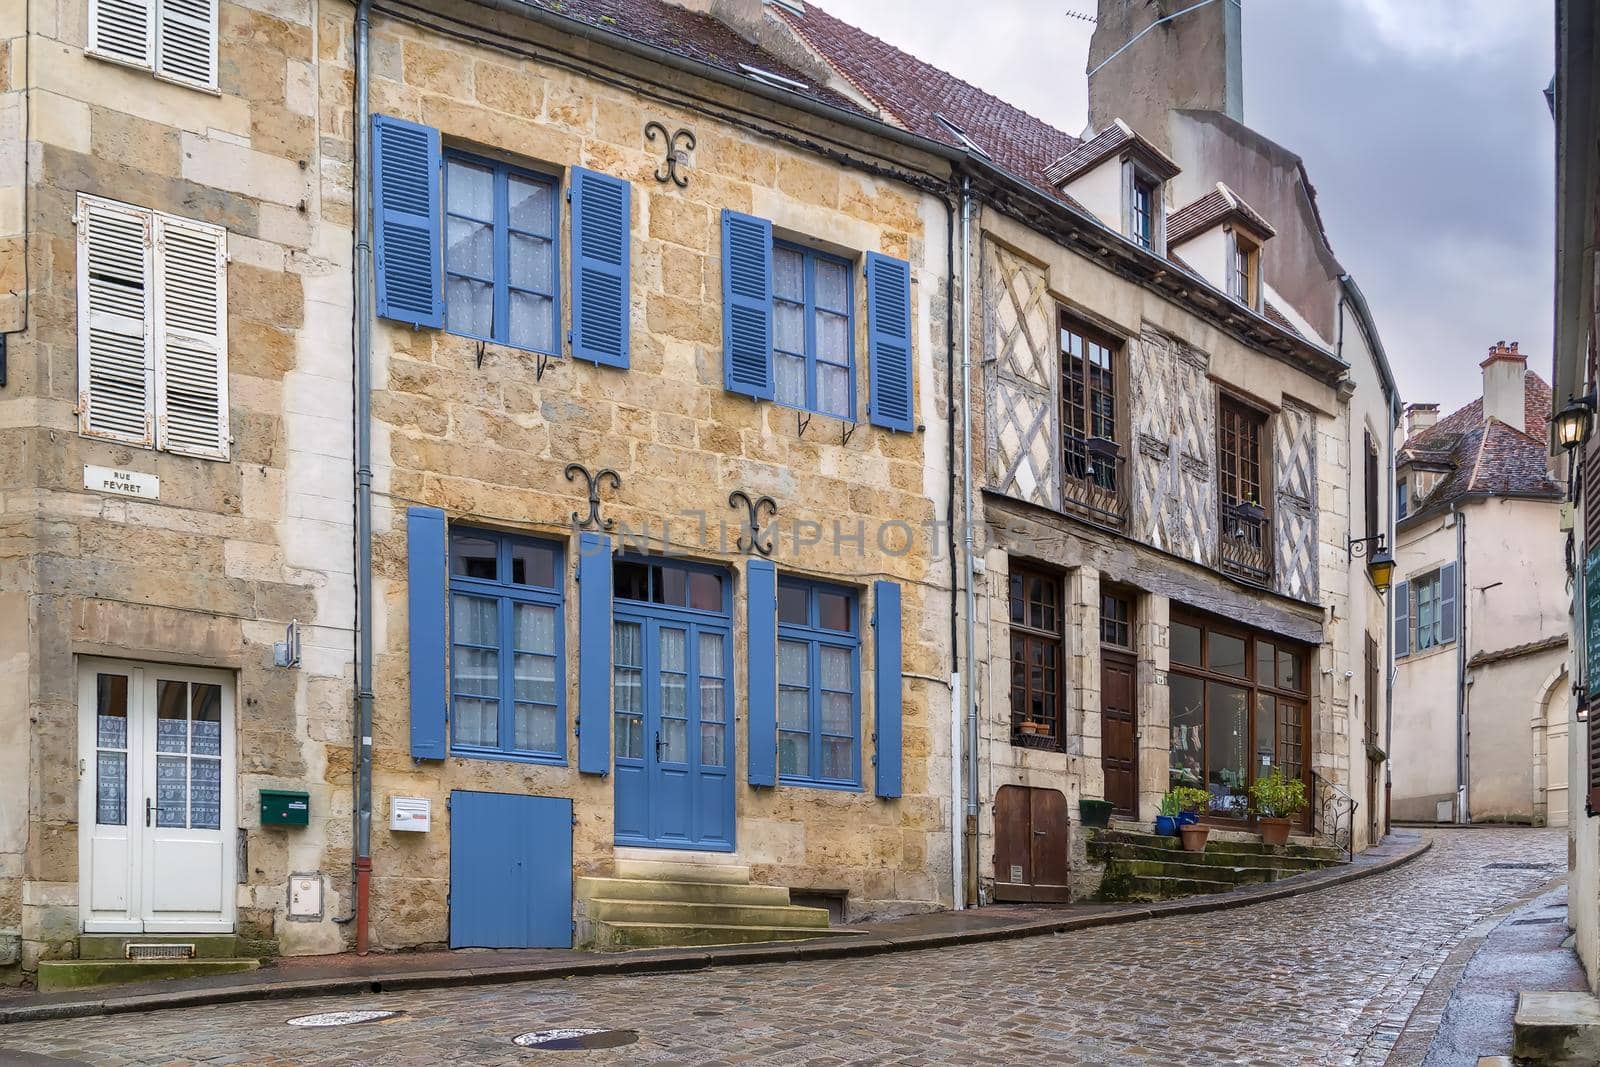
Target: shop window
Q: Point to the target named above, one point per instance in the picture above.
(507, 694)
(1037, 659)
(819, 691)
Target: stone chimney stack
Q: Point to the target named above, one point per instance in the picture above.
(1419, 417)
(1195, 61)
(1505, 376)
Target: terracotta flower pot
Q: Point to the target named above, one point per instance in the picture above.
(1194, 837)
(1273, 831)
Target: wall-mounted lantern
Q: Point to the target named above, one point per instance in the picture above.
(1380, 564)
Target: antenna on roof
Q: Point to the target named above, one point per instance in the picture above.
(1081, 17)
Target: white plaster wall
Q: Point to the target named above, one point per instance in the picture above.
(1207, 253)
(1099, 190)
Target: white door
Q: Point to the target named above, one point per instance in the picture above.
(157, 798)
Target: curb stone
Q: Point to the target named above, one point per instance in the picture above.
(695, 960)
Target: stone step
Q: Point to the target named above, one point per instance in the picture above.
(1560, 1029)
(614, 936)
(1324, 853)
(1216, 853)
(682, 871)
(1141, 888)
(206, 946)
(686, 892)
(683, 913)
(79, 974)
(1205, 872)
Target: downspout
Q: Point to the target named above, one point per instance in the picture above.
(957, 898)
(1463, 730)
(1388, 626)
(362, 739)
(971, 607)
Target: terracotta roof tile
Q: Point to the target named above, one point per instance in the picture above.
(1106, 142)
(1216, 206)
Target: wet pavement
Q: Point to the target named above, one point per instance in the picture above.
(1330, 977)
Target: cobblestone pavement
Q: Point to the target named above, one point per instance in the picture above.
(1325, 978)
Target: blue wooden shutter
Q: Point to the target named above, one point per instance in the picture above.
(406, 212)
(1402, 619)
(427, 593)
(761, 598)
(889, 342)
(747, 305)
(886, 658)
(594, 653)
(1447, 603)
(601, 232)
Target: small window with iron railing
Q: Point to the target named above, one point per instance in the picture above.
(1245, 521)
(1091, 460)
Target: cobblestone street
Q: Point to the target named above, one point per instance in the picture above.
(1326, 978)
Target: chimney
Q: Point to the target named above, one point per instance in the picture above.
(1194, 61)
(1505, 375)
(1419, 417)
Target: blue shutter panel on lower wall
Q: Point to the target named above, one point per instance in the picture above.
(601, 233)
(886, 658)
(747, 305)
(761, 598)
(1447, 603)
(594, 653)
(405, 217)
(1402, 619)
(427, 592)
(889, 365)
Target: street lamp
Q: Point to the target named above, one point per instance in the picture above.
(1380, 564)
(1574, 422)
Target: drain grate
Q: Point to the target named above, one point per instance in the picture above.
(574, 1038)
(164, 951)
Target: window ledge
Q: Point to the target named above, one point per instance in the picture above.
(1415, 655)
(818, 783)
(508, 757)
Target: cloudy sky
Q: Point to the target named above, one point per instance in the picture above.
(1422, 123)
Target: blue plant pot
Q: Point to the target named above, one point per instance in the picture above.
(1167, 825)
(1188, 818)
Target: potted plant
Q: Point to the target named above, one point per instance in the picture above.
(1191, 802)
(1094, 813)
(1276, 800)
(1167, 820)
(1102, 448)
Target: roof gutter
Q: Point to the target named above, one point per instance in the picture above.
(1357, 300)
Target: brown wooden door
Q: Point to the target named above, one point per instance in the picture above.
(1119, 718)
(1030, 844)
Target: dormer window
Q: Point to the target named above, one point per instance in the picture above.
(1119, 178)
(1244, 279)
(1220, 237)
(1143, 213)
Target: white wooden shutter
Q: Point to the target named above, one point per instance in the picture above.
(191, 337)
(186, 41)
(116, 363)
(124, 30)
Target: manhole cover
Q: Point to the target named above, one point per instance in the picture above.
(575, 1038)
(342, 1018)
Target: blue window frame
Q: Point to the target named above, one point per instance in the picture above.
(502, 257)
(819, 684)
(507, 645)
(813, 331)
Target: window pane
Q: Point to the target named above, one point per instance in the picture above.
(672, 586)
(1266, 734)
(1187, 711)
(472, 556)
(535, 678)
(532, 263)
(838, 713)
(1227, 654)
(469, 247)
(788, 327)
(477, 621)
(794, 754)
(533, 565)
(791, 381)
(172, 719)
(833, 337)
(674, 741)
(469, 306)
(535, 628)
(205, 794)
(532, 321)
(712, 706)
(631, 581)
(111, 705)
(628, 644)
(111, 789)
(1266, 662)
(837, 762)
(836, 669)
(833, 391)
(832, 282)
(793, 663)
(469, 190)
(477, 722)
(705, 591)
(630, 737)
(1227, 735)
(1289, 674)
(711, 659)
(172, 791)
(205, 729)
(476, 672)
(535, 728)
(833, 611)
(794, 709)
(713, 745)
(792, 604)
(530, 204)
(672, 651)
(788, 274)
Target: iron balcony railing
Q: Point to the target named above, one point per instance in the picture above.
(1093, 479)
(1246, 542)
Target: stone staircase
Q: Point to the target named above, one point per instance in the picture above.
(659, 904)
(105, 959)
(1144, 866)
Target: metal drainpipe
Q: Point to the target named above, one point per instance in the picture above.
(957, 898)
(966, 534)
(362, 738)
(1462, 733)
(1388, 625)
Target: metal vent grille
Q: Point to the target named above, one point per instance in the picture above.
(161, 952)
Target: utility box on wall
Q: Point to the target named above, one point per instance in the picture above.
(285, 807)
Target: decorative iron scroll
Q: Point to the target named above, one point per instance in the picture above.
(676, 153)
(593, 521)
(753, 538)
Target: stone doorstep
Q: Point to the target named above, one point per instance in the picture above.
(1558, 1029)
(79, 974)
(206, 946)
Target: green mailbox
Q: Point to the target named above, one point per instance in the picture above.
(285, 807)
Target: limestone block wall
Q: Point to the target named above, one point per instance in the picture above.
(213, 571)
(488, 441)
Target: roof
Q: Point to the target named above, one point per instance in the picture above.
(1112, 139)
(917, 94)
(1485, 457)
(1219, 205)
(1544, 644)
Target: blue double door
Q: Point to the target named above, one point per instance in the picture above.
(672, 700)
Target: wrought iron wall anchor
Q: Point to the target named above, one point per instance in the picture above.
(756, 541)
(676, 154)
(594, 521)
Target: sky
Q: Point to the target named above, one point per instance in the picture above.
(1422, 124)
